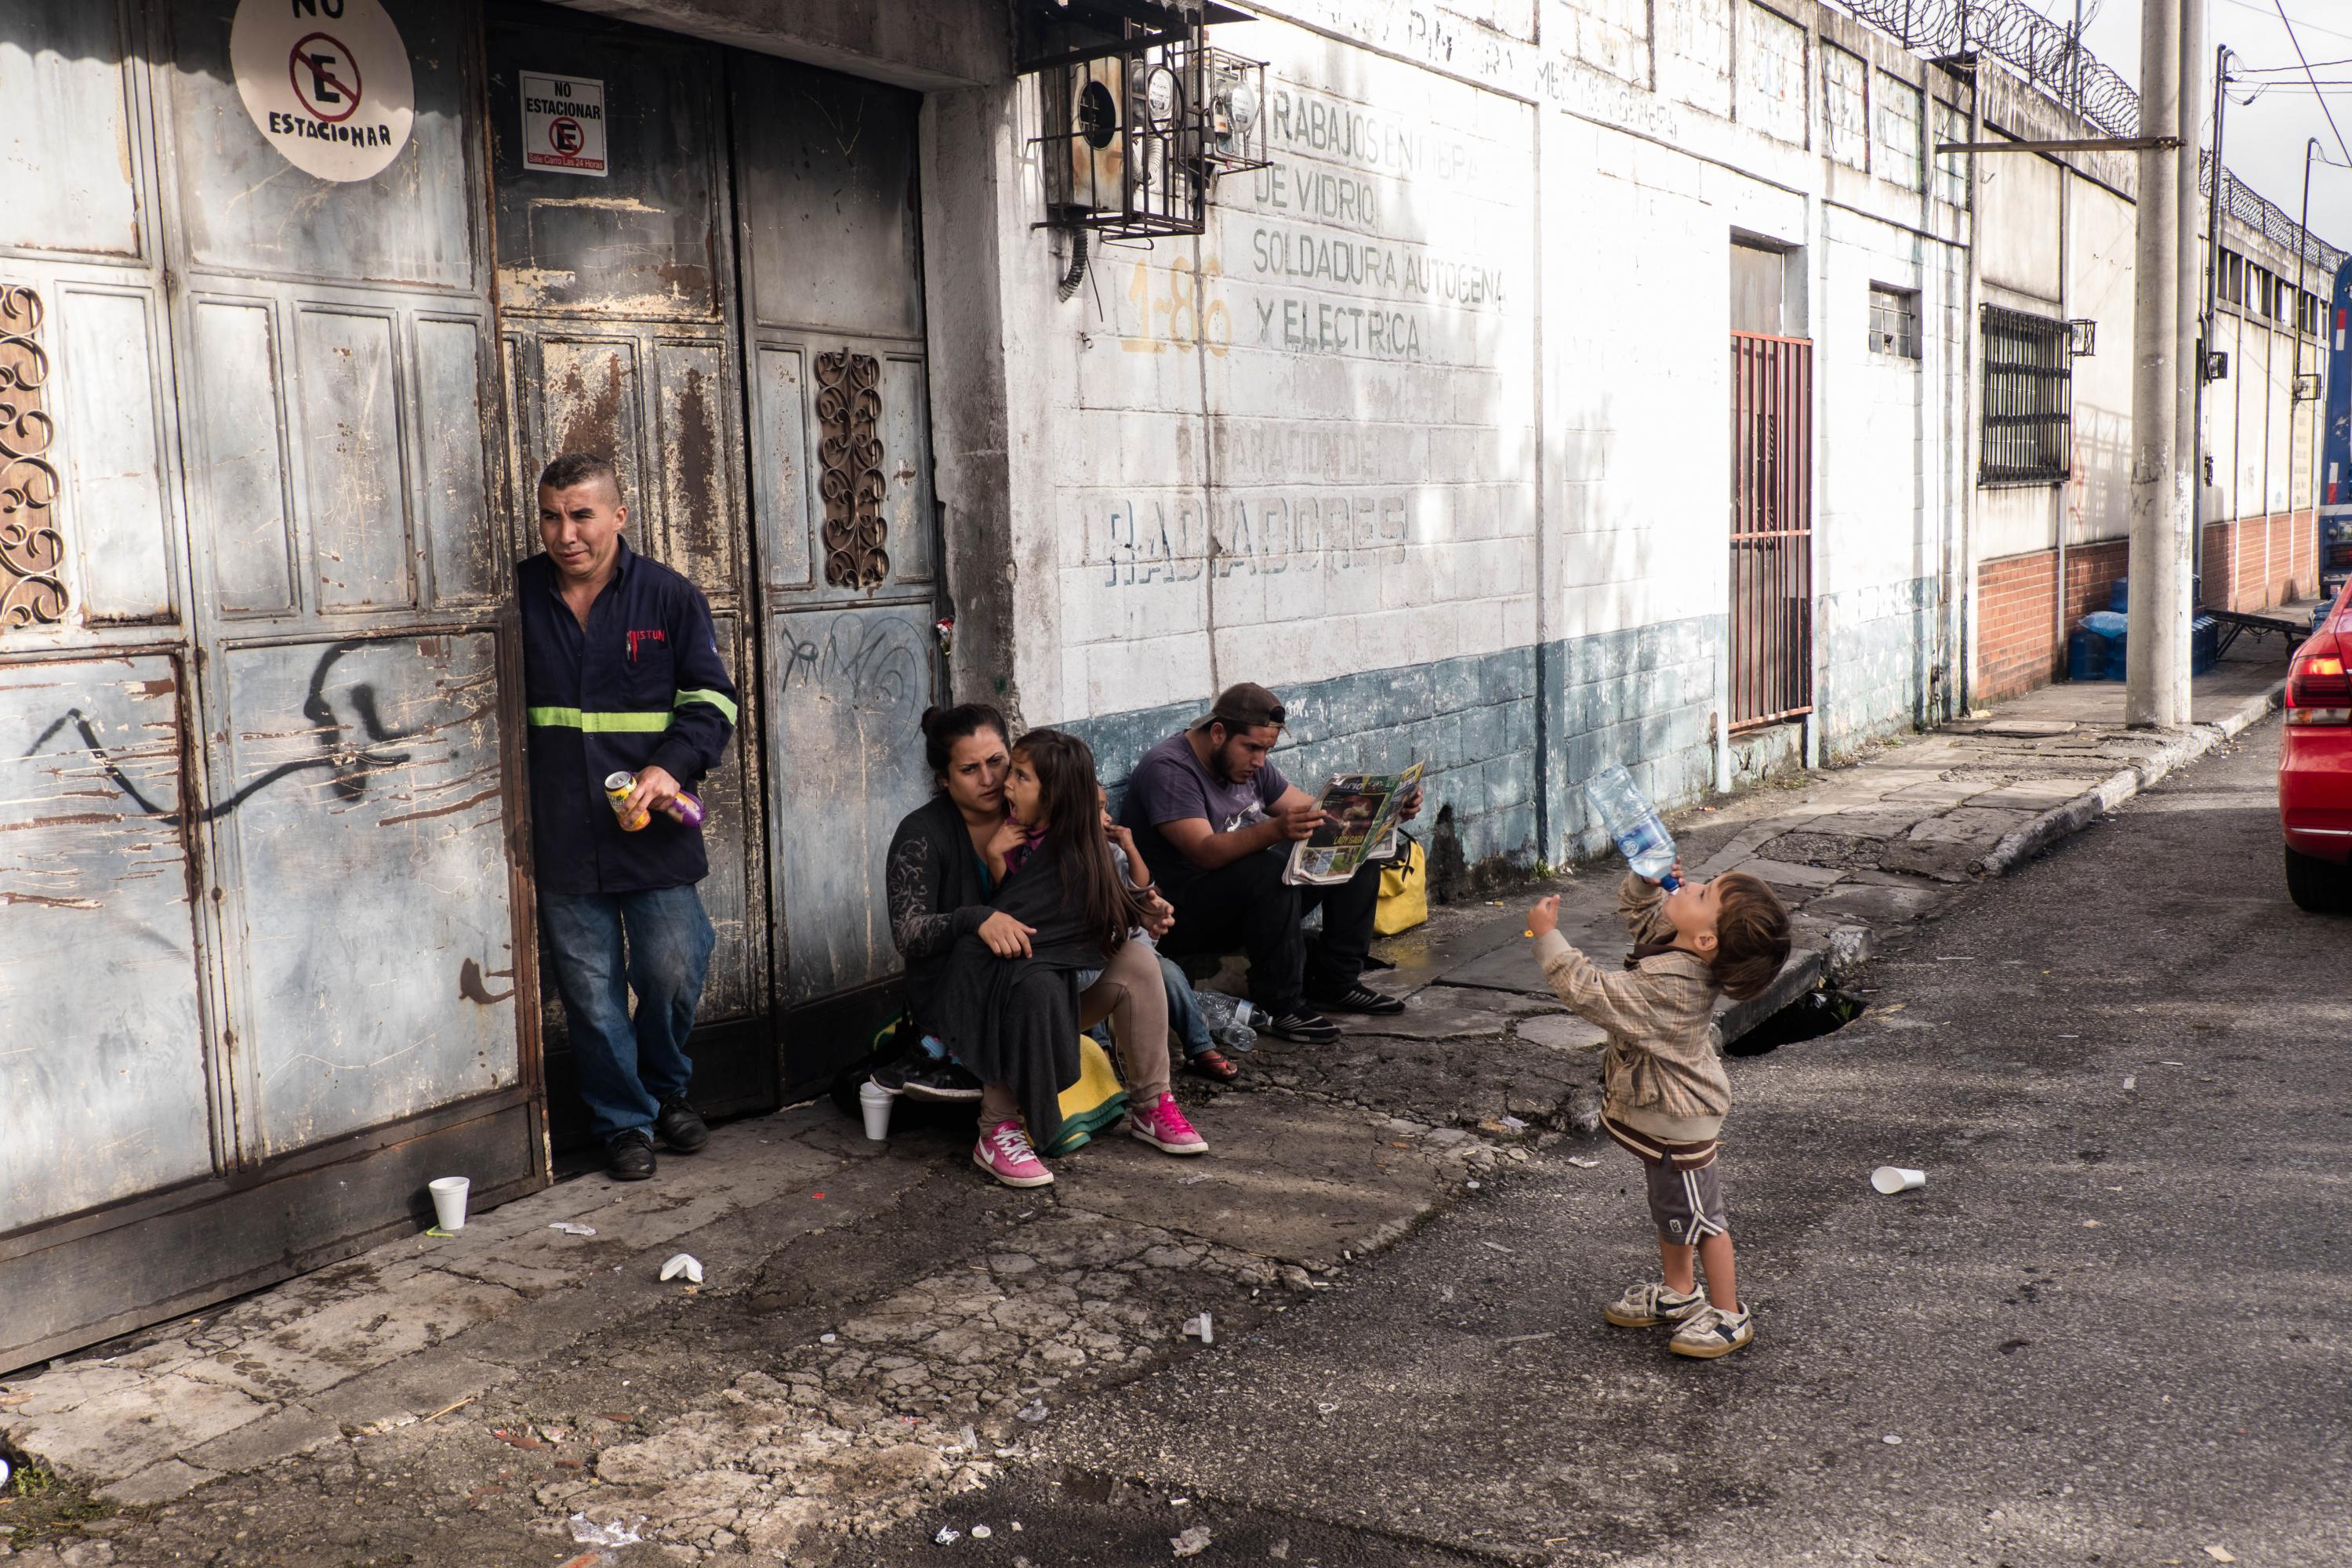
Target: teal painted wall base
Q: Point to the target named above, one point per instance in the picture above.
(1508, 739)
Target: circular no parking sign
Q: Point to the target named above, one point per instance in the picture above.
(327, 82)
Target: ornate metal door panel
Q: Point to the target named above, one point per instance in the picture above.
(249, 740)
(336, 370)
(841, 493)
(618, 300)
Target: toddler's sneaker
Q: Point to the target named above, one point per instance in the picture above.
(1711, 1331)
(1164, 1128)
(1003, 1151)
(1651, 1305)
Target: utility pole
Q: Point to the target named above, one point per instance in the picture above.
(2158, 634)
(2189, 370)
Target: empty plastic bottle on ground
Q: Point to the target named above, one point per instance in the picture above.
(1229, 1020)
(1634, 822)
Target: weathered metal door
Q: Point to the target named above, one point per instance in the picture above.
(842, 501)
(262, 952)
(616, 296)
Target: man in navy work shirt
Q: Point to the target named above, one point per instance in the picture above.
(621, 675)
(1215, 820)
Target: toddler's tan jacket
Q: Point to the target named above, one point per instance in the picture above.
(1661, 1074)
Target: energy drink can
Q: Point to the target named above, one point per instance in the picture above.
(617, 787)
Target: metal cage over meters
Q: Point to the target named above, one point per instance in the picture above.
(1139, 114)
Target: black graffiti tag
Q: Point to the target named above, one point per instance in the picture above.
(350, 762)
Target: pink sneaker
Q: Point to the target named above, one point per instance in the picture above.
(1164, 1128)
(1004, 1153)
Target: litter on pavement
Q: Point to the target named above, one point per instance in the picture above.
(1584, 1162)
(587, 1532)
(1192, 1542)
(1892, 1179)
(571, 1227)
(946, 1537)
(1034, 1412)
(684, 1263)
(1202, 1328)
(982, 1532)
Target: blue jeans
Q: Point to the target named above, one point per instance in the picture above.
(1184, 1020)
(627, 1069)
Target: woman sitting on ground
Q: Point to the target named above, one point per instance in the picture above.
(998, 982)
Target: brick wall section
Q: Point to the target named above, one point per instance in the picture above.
(2018, 645)
(2255, 563)
(2016, 608)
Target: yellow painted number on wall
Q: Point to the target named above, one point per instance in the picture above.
(1184, 311)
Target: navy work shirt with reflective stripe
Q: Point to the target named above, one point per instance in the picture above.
(641, 686)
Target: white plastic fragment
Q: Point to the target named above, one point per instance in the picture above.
(571, 1227)
(684, 1263)
(1034, 1412)
(1202, 1328)
(1512, 1123)
(946, 1537)
(587, 1532)
(1892, 1440)
(3, 1472)
(982, 1532)
(2219, 1554)
(2130, 1083)
(1192, 1542)
(1583, 1163)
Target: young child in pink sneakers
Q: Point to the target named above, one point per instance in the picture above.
(1664, 1090)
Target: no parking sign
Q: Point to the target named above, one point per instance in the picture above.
(327, 81)
(562, 123)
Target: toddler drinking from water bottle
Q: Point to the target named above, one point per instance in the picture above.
(1664, 1090)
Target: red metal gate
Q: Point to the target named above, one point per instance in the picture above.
(1771, 529)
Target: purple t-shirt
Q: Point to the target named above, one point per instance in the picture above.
(1170, 783)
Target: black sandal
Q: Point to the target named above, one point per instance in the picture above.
(1213, 1063)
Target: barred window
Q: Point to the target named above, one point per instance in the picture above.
(2029, 400)
(1894, 321)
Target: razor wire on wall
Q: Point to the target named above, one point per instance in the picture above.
(2048, 56)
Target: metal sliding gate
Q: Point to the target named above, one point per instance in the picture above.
(1771, 529)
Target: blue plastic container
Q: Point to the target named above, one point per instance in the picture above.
(2119, 595)
(2204, 644)
(2086, 656)
(2106, 629)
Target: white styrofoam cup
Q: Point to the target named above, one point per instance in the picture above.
(1894, 1179)
(875, 1102)
(449, 1200)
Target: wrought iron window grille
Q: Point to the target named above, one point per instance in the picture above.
(2028, 399)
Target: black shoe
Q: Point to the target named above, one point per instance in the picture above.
(1360, 997)
(920, 1076)
(1308, 1028)
(681, 1126)
(630, 1156)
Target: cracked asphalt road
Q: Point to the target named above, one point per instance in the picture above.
(2112, 1330)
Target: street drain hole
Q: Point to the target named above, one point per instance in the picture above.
(1818, 1011)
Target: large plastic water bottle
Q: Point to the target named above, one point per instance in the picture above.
(1634, 822)
(1229, 1020)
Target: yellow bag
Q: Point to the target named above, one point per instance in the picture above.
(1404, 891)
(1092, 1104)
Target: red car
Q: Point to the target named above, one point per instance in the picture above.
(2315, 781)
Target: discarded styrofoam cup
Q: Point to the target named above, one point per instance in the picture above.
(449, 1200)
(1892, 1179)
(876, 1102)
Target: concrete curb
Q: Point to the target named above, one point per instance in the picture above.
(2079, 813)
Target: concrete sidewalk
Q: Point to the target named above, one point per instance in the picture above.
(907, 1318)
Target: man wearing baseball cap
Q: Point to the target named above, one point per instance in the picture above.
(1215, 821)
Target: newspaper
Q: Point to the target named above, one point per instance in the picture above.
(1359, 824)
